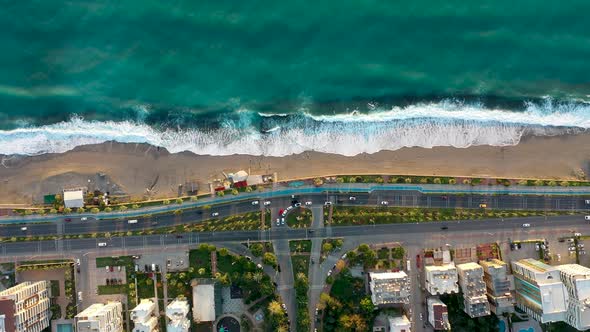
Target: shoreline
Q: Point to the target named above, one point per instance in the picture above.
(135, 167)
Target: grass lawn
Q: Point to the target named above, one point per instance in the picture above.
(178, 284)
(300, 246)
(54, 288)
(300, 264)
(201, 258)
(114, 261)
(112, 289)
(145, 288)
(299, 218)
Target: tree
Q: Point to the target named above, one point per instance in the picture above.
(257, 276)
(466, 181)
(94, 210)
(275, 308)
(353, 322)
(201, 271)
(452, 181)
(194, 198)
(338, 243)
(220, 193)
(166, 202)
(363, 247)
(122, 208)
(81, 210)
(523, 182)
(269, 259)
(339, 180)
(367, 305)
(248, 189)
(436, 181)
(177, 212)
(340, 264)
(379, 180)
(223, 252)
(408, 180)
(539, 183)
(318, 182)
(327, 247)
(108, 209)
(179, 201)
(257, 249)
(234, 192)
(564, 183)
(552, 183)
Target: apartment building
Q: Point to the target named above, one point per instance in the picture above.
(389, 288)
(539, 290)
(441, 279)
(25, 307)
(399, 324)
(497, 286)
(144, 316)
(576, 279)
(100, 318)
(474, 290)
(177, 312)
(438, 314)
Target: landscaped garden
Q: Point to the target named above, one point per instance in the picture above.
(329, 246)
(346, 215)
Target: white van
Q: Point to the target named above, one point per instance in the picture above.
(133, 221)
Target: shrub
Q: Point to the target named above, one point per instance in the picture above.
(94, 210)
(166, 202)
(466, 181)
(195, 198)
(53, 211)
(135, 206)
(248, 189)
(122, 208)
(177, 212)
(564, 184)
(179, 201)
(552, 183)
(379, 180)
(523, 182)
(234, 192)
(40, 211)
(393, 180)
(28, 212)
(81, 210)
(408, 180)
(108, 209)
(318, 181)
(339, 180)
(436, 181)
(424, 180)
(539, 183)
(220, 193)
(452, 181)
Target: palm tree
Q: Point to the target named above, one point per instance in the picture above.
(257, 276)
(275, 308)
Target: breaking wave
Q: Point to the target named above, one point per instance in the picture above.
(446, 123)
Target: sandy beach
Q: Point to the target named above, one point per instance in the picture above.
(135, 167)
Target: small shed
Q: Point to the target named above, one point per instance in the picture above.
(74, 198)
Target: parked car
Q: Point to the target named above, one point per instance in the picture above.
(577, 234)
(297, 204)
(266, 202)
(23, 228)
(282, 221)
(571, 248)
(526, 225)
(84, 218)
(68, 219)
(570, 240)
(587, 217)
(132, 221)
(278, 222)
(328, 203)
(537, 247)
(214, 214)
(102, 244)
(444, 228)
(384, 203)
(483, 205)
(255, 203)
(308, 203)
(587, 201)
(352, 198)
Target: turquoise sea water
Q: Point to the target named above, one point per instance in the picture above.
(280, 77)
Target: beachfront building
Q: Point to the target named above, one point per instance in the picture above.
(576, 279)
(399, 324)
(25, 307)
(441, 279)
(204, 303)
(144, 316)
(474, 290)
(389, 288)
(497, 286)
(438, 314)
(177, 312)
(539, 290)
(100, 317)
(74, 198)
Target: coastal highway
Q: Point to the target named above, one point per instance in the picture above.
(397, 232)
(394, 199)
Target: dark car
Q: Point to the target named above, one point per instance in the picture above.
(68, 219)
(444, 228)
(179, 236)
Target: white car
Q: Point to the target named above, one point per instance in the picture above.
(570, 240)
(278, 222)
(328, 203)
(344, 256)
(259, 266)
(132, 221)
(297, 204)
(587, 201)
(23, 229)
(84, 218)
(284, 213)
(266, 202)
(329, 273)
(578, 234)
(526, 225)
(282, 221)
(587, 217)
(102, 244)
(308, 203)
(352, 198)
(571, 248)
(214, 214)
(384, 203)
(289, 208)
(255, 203)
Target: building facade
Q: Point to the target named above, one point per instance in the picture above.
(438, 314)
(576, 279)
(441, 279)
(539, 290)
(144, 316)
(474, 290)
(177, 312)
(25, 307)
(389, 288)
(498, 288)
(100, 318)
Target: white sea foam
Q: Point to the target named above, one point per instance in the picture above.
(428, 125)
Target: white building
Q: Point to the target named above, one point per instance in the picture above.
(399, 324)
(441, 279)
(438, 314)
(389, 288)
(100, 318)
(177, 312)
(576, 279)
(25, 307)
(474, 290)
(204, 303)
(498, 286)
(144, 316)
(74, 198)
(539, 290)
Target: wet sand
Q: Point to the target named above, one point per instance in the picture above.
(135, 167)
